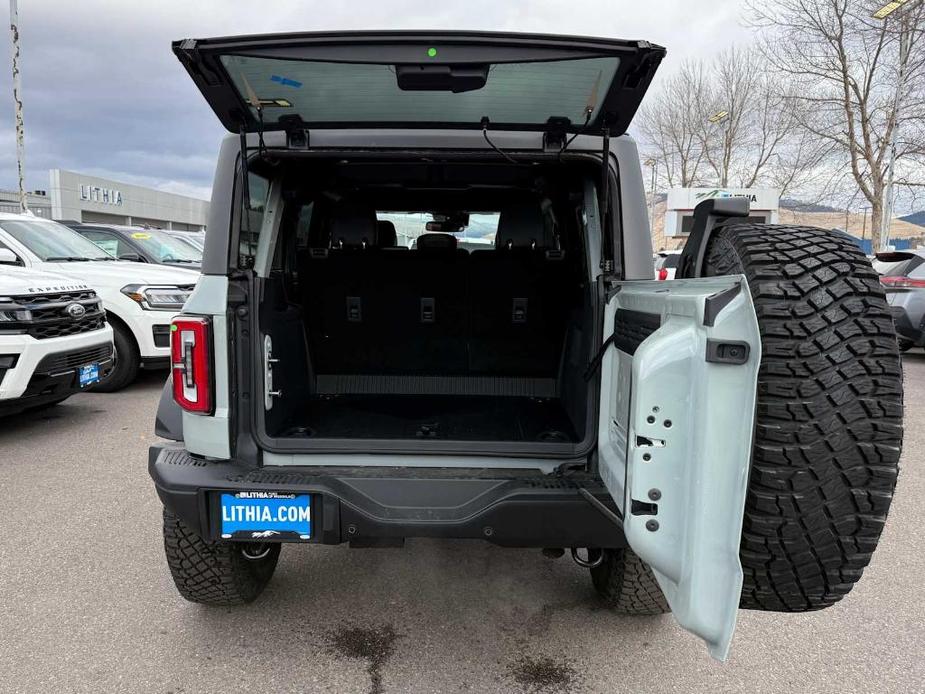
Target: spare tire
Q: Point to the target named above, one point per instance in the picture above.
(828, 424)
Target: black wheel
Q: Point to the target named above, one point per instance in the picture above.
(216, 573)
(627, 585)
(904, 344)
(126, 358)
(828, 426)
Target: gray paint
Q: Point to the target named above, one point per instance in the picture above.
(210, 435)
(215, 256)
(637, 240)
(700, 462)
(442, 461)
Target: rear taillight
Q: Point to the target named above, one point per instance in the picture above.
(902, 283)
(191, 363)
(663, 274)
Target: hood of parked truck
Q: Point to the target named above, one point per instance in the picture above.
(19, 281)
(118, 273)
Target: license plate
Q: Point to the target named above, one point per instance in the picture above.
(266, 516)
(88, 374)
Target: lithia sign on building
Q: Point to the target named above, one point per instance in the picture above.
(106, 196)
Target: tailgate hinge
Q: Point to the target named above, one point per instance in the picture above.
(297, 135)
(554, 137)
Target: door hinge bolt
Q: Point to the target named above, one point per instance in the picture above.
(652, 525)
(655, 494)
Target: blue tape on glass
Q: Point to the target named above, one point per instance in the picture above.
(285, 81)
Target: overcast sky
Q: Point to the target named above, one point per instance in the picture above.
(104, 94)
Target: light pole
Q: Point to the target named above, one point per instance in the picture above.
(716, 119)
(905, 40)
(17, 103)
(652, 162)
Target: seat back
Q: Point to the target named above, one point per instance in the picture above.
(516, 300)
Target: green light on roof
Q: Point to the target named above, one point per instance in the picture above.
(432, 52)
(173, 328)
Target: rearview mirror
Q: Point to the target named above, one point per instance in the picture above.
(448, 223)
(132, 257)
(7, 257)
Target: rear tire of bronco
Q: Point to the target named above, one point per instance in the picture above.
(214, 573)
(627, 585)
(127, 361)
(828, 423)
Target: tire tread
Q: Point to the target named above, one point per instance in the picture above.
(828, 429)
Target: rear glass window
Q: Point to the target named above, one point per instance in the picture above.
(479, 231)
(897, 268)
(513, 92)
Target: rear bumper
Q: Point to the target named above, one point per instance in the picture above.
(909, 327)
(363, 505)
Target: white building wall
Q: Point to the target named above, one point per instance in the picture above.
(82, 197)
(765, 204)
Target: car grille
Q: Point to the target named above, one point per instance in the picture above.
(50, 317)
(63, 361)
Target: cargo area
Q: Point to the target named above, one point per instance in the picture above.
(454, 303)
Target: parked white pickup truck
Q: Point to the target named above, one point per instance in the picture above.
(140, 299)
(54, 339)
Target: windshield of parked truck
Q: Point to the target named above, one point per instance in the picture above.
(52, 242)
(165, 248)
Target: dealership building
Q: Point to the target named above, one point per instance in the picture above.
(679, 212)
(84, 198)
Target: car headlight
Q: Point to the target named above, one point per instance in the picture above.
(11, 312)
(158, 298)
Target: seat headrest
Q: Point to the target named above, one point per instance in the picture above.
(428, 242)
(385, 236)
(521, 225)
(353, 225)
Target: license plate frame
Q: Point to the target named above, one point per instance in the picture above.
(88, 374)
(265, 516)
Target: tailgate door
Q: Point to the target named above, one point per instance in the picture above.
(677, 413)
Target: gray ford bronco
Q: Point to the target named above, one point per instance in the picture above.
(427, 309)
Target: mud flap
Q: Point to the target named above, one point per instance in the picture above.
(677, 416)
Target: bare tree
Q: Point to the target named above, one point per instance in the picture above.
(725, 122)
(670, 122)
(843, 67)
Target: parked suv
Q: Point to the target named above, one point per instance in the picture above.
(140, 300)
(727, 439)
(140, 245)
(903, 279)
(54, 339)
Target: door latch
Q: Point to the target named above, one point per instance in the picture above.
(268, 362)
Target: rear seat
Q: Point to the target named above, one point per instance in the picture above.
(346, 310)
(517, 297)
(435, 310)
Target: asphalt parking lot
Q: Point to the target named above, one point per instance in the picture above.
(86, 603)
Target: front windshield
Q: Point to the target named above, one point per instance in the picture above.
(165, 248)
(475, 231)
(52, 242)
(190, 239)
